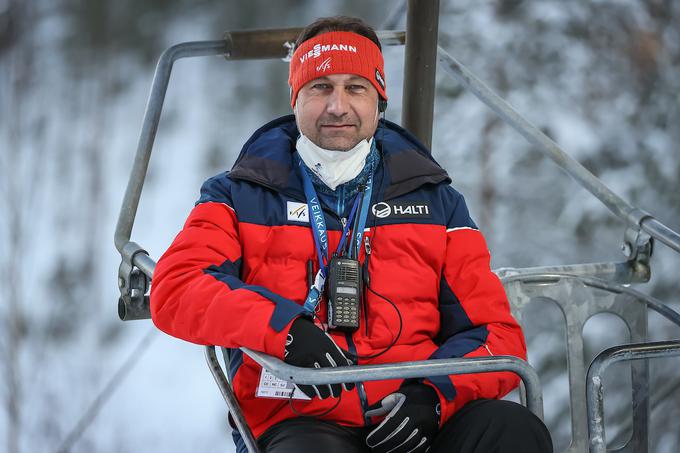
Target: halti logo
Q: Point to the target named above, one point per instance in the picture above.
(400, 210)
(326, 64)
(381, 210)
(298, 212)
(318, 49)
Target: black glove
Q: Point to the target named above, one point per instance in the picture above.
(308, 346)
(411, 423)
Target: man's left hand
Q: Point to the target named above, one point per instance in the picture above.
(411, 423)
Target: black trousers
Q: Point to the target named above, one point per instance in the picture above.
(482, 426)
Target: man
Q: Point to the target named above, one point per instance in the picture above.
(336, 240)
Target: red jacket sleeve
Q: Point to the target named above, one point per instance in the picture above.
(197, 294)
(475, 317)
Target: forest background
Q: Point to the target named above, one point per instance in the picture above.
(602, 78)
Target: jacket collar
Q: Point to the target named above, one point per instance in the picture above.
(267, 159)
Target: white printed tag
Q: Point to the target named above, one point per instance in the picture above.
(297, 212)
(272, 387)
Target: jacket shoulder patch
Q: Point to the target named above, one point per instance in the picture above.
(297, 212)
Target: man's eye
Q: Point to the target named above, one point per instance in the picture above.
(357, 87)
(321, 86)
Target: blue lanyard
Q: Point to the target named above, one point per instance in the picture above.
(358, 232)
(318, 224)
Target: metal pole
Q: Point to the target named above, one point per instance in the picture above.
(661, 232)
(152, 116)
(269, 44)
(623, 210)
(595, 387)
(230, 399)
(420, 63)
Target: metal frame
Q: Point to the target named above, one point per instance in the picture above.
(579, 298)
(549, 283)
(229, 398)
(595, 388)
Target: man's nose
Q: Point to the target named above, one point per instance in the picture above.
(338, 102)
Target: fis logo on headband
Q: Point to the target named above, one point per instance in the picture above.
(401, 210)
(325, 65)
(318, 49)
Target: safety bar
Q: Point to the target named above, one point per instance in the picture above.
(635, 217)
(595, 388)
(404, 370)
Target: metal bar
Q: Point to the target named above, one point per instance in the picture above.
(272, 43)
(639, 374)
(661, 232)
(144, 263)
(573, 168)
(404, 370)
(621, 272)
(420, 63)
(651, 302)
(230, 399)
(391, 37)
(259, 44)
(595, 388)
(152, 116)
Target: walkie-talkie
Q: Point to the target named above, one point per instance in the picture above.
(344, 293)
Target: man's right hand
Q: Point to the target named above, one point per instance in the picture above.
(308, 346)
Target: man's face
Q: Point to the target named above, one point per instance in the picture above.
(337, 111)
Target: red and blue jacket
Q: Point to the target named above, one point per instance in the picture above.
(236, 275)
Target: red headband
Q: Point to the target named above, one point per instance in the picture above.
(336, 52)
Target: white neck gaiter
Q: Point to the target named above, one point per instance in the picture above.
(334, 167)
